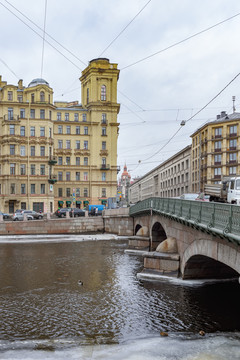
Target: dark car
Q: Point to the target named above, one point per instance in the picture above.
(34, 214)
(5, 216)
(72, 212)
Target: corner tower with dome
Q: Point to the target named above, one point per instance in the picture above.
(57, 153)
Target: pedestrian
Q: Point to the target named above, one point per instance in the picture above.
(96, 211)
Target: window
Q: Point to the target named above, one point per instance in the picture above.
(77, 130)
(67, 160)
(60, 192)
(218, 132)
(50, 132)
(33, 169)
(217, 159)
(78, 144)
(87, 95)
(42, 150)
(85, 161)
(22, 131)
(12, 169)
(12, 129)
(218, 146)
(42, 188)
(85, 176)
(104, 161)
(103, 176)
(76, 117)
(23, 189)
(42, 131)
(233, 130)
(104, 192)
(60, 129)
(217, 172)
(77, 191)
(68, 130)
(103, 93)
(85, 192)
(10, 95)
(10, 113)
(42, 96)
(32, 131)
(32, 113)
(59, 116)
(60, 175)
(32, 188)
(20, 98)
(84, 117)
(23, 169)
(104, 118)
(77, 161)
(32, 98)
(232, 170)
(85, 130)
(12, 189)
(104, 145)
(22, 150)
(66, 116)
(60, 144)
(50, 114)
(68, 144)
(233, 157)
(12, 149)
(68, 176)
(42, 169)
(77, 176)
(68, 192)
(22, 113)
(42, 114)
(32, 151)
(233, 144)
(60, 160)
(85, 145)
(104, 131)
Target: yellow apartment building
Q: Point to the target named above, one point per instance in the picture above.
(59, 154)
(216, 150)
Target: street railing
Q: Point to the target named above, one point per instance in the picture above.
(219, 219)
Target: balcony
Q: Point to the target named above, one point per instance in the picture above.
(52, 160)
(52, 179)
(104, 167)
(11, 118)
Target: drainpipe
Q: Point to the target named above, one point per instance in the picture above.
(150, 228)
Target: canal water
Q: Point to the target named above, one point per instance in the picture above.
(46, 313)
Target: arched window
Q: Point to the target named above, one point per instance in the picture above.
(42, 96)
(103, 93)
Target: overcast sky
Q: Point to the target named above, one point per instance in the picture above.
(155, 94)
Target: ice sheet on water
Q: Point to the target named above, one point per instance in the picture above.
(173, 347)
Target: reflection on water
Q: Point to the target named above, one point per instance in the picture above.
(41, 300)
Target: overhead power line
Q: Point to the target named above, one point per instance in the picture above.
(181, 41)
(10, 69)
(124, 28)
(44, 32)
(42, 36)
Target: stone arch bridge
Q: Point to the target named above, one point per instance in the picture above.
(188, 239)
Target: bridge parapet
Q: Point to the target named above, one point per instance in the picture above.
(219, 219)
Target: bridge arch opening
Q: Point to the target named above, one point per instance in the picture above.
(204, 267)
(158, 235)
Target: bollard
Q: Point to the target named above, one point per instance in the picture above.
(48, 216)
(86, 213)
(1, 218)
(24, 217)
(67, 214)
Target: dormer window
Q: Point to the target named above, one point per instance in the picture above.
(103, 93)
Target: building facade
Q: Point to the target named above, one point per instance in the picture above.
(216, 150)
(170, 179)
(55, 154)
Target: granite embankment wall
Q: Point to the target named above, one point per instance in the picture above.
(113, 221)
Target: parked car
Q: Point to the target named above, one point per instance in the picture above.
(19, 217)
(76, 212)
(5, 216)
(189, 196)
(35, 214)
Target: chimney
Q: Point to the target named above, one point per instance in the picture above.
(223, 113)
(218, 117)
(20, 84)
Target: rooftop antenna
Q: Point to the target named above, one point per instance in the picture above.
(233, 99)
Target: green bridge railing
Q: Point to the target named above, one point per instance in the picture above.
(216, 218)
